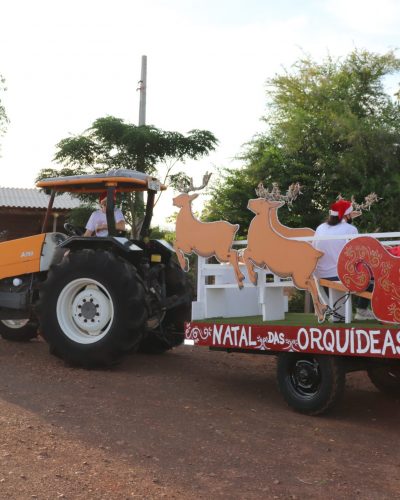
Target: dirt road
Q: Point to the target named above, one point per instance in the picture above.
(188, 424)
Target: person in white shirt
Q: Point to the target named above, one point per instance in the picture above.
(97, 223)
(341, 215)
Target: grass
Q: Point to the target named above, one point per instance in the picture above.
(293, 319)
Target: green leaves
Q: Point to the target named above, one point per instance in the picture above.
(333, 128)
(3, 115)
(112, 143)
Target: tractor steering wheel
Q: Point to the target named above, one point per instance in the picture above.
(72, 230)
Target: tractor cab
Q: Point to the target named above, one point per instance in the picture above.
(121, 181)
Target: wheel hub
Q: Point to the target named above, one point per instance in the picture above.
(91, 310)
(15, 323)
(88, 310)
(306, 377)
(85, 310)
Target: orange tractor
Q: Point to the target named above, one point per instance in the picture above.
(94, 298)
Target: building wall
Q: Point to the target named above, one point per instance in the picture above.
(21, 222)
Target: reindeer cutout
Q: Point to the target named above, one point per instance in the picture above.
(267, 247)
(291, 195)
(207, 239)
(363, 258)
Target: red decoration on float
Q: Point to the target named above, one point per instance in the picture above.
(364, 258)
(357, 341)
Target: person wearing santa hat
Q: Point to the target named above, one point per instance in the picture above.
(97, 223)
(339, 223)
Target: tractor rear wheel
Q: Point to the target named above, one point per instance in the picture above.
(171, 333)
(18, 330)
(92, 308)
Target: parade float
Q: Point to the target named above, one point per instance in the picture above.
(242, 303)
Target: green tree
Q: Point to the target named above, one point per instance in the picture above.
(111, 143)
(332, 127)
(3, 114)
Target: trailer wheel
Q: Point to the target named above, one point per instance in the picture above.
(386, 379)
(310, 384)
(172, 325)
(92, 308)
(18, 330)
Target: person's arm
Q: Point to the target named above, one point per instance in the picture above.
(101, 227)
(90, 227)
(120, 226)
(315, 243)
(119, 220)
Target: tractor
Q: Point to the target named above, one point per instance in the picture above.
(93, 299)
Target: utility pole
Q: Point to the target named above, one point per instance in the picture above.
(142, 89)
(138, 200)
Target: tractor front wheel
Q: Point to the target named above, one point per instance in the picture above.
(18, 330)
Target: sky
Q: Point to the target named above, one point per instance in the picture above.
(68, 62)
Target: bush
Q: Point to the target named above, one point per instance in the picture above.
(296, 300)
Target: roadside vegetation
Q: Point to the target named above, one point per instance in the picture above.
(334, 127)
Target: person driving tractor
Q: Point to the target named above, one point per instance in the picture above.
(97, 223)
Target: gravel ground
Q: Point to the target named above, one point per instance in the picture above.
(189, 424)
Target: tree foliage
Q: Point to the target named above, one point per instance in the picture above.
(111, 143)
(3, 114)
(332, 127)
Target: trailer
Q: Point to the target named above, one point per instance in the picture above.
(312, 360)
(314, 356)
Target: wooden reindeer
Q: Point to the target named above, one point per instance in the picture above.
(206, 239)
(275, 195)
(266, 247)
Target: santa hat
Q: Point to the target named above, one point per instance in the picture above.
(341, 208)
(103, 196)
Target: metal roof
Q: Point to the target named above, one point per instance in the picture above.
(123, 180)
(34, 198)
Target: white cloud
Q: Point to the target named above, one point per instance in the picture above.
(367, 16)
(71, 61)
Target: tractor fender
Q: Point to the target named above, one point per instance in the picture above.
(118, 245)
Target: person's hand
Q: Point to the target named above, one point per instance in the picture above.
(101, 227)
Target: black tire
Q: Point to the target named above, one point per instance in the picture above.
(386, 379)
(18, 330)
(92, 308)
(172, 326)
(310, 384)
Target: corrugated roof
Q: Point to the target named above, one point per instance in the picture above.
(34, 198)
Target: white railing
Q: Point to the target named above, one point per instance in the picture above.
(223, 298)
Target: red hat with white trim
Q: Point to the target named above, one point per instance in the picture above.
(103, 196)
(341, 208)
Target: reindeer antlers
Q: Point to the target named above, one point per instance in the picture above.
(186, 185)
(369, 200)
(275, 194)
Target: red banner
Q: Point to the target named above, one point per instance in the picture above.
(356, 341)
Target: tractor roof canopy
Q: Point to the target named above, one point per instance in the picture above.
(123, 180)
